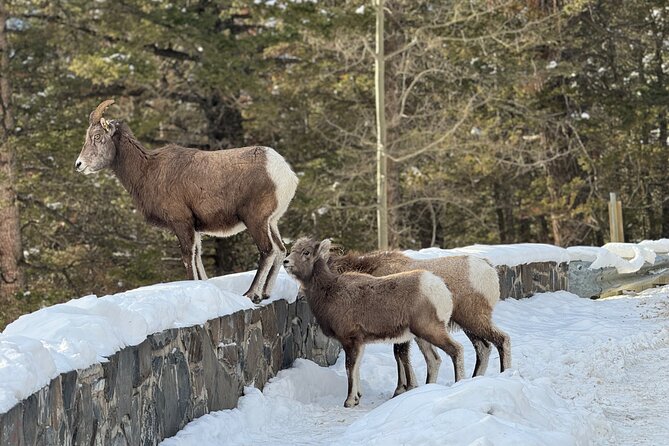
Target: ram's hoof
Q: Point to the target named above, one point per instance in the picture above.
(400, 390)
(255, 298)
(352, 401)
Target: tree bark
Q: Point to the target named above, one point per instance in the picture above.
(11, 277)
(381, 159)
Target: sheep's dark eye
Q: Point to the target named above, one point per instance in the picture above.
(96, 138)
(306, 253)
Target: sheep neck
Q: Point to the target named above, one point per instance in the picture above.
(131, 162)
(320, 286)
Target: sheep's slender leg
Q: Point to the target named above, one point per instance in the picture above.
(186, 237)
(483, 349)
(485, 329)
(502, 342)
(438, 335)
(398, 351)
(356, 369)
(432, 359)
(261, 236)
(202, 274)
(352, 352)
(278, 260)
(406, 379)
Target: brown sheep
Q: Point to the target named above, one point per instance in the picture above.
(357, 309)
(474, 284)
(194, 192)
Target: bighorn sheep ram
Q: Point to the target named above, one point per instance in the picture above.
(357, 309)
(195, 192)
(474, 284)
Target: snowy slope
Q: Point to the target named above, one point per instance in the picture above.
(585, 372)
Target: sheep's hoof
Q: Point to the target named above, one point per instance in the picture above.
(254, 297)
(400, 390)
(265, 296)
(352, 401)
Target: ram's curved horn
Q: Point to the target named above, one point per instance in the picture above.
(96, 115)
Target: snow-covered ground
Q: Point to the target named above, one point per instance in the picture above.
(584, 372)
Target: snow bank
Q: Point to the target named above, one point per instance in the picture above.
(39, 346)
(483, 410)
(658, 246)
(624, 257)
(505, 410)
(510, 255)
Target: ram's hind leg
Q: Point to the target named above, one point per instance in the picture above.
(432, 359)
(197, 254)
(482, 348)
(280, 250)
(261, 234)
(437, 334)
(406, 380)
(486, 331)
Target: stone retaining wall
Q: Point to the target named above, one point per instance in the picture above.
(148, 392)
(522, 281)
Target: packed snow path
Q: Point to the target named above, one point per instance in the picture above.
(585, 372)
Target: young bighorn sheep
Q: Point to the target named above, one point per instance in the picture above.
(195, 192)
(474, 284)
(357, 309)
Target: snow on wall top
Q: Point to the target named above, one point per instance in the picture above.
(510, 255)
(625, 257)
(39, 346)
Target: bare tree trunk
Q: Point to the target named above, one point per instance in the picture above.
(11, 277)
(381, 159)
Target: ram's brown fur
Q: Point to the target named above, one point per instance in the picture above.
(194, 192)
(358, 308)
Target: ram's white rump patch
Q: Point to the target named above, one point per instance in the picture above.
(484, 279)
(436, 290)
(284, 179)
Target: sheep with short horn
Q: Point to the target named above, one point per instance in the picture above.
(194, 192)
(357, 309)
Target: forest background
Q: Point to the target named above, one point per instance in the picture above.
(508, 121)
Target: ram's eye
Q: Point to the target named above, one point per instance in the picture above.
(306, 253)
(96, 138)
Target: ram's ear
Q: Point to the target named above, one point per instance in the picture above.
(109, 126)
(324, 249)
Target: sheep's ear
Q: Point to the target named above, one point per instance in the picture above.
(324, 249)
(109, 126)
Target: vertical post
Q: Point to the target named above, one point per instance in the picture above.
(619, 219)
(381, 160)
(615, 218)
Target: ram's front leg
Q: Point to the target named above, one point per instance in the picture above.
(353, 352)
(186, 236)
